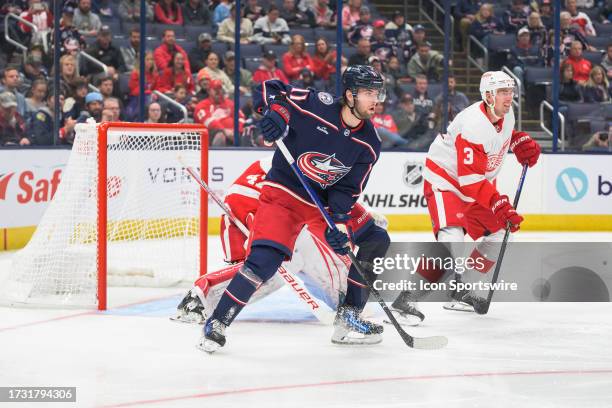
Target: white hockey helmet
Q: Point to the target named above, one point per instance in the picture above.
(491, 81)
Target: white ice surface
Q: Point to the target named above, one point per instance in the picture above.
(519, 355)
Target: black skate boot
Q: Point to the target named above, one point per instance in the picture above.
(466, 301)
(213, 337)
(349, 328)
(190, 310)
(405, 310)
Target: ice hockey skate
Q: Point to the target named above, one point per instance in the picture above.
(465, 301)
(213, 337)
(351, 329)
(405, 311)
(190, 310)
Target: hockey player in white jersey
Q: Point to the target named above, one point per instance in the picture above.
(460, 170)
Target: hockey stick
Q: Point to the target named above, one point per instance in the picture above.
(434, 342)
(487, 304)
(319, 309)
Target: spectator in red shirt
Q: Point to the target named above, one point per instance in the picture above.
(296, 59)
(579, 18)
(39, 15)
(217, 114)
(268, 69)
(164, 53)
(323, 59)
(177, 73)
(581, 65)
(168, 12)
(151, 76)
(350, 14)
(386, 128)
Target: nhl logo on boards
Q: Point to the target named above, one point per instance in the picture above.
(413, 174)
(326, 98)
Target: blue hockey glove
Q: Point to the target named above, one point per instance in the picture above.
(275, 121)
(338, 239)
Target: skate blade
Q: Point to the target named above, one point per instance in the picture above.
(208, 346)
(459, 307)
(191, 318)
(343, 337)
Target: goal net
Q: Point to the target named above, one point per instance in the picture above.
(126, 213)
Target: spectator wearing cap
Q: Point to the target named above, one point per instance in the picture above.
(199, 53)
(41, 127)
(362, 28)
(214, 72)
(294, 17)
(253, 10)
(195, 12)
(166, 50)
(271, 29)
(457, 101)
(524, 54)
(485, 24)
(396, 29)
(425, 62)
(268, 69)
(350, 14)
(93, 107)
(129, 11)
(515, 17)
(203, 80)
(324, 16)
(465, 12)
(11, 80)
(381, 47)
(12, 124)
(217, 114)
(104, 51)
(324, 59)
(33, 69)
(537, 31)
(176, 73)
(68, 31)
(386, 128)
(246, 78)
(580, 19)
(168, 12)
(296, 58)
(227, 29)
(86, 21)
(409, 48)
(582, 66)
(131, 52)
(364, 51)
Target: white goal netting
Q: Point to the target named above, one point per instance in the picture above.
(153, 209)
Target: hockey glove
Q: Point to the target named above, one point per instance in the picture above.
(505, 213)
(525, 148)
(338, 239)
(275, 121)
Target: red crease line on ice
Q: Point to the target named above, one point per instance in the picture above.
(350, 382)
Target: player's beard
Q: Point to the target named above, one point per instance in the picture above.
(363, 114)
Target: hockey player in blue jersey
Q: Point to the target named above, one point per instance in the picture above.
(335, 146)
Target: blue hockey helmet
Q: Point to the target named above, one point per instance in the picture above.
(363, 76)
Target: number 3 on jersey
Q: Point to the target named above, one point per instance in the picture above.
(469, 155)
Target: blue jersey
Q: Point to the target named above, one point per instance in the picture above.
(336, 159)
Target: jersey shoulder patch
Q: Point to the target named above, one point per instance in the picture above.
(326, 98)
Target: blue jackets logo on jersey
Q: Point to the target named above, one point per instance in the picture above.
(322, 168)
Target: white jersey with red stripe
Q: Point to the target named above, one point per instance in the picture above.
(467, 159)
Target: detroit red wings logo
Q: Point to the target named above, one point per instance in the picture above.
(495, 159)
(322, 168)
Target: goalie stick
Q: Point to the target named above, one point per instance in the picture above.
(319, 309)
(433, 342)
(484, 308)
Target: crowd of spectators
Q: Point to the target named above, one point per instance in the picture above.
(282, 39)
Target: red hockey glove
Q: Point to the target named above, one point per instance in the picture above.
(505, 213)
(525, 148)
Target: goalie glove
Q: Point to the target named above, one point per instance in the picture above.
(338, 239)
(525, 148)
(505, 212)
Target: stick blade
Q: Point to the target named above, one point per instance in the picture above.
(429, 343)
